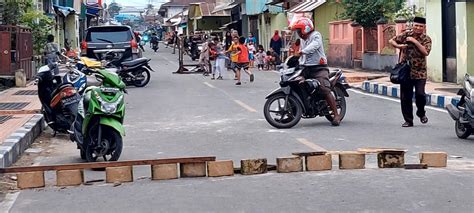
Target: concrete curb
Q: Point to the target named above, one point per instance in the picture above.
(12, 148)
(433, 99)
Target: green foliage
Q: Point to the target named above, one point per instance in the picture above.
(14, 9)
(367, 12)
(40, 25)
(408, 13)
(389, 50)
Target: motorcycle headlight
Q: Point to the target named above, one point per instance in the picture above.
(109, 107)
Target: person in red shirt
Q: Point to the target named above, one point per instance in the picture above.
(243, 60)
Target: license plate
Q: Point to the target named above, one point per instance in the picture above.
(70, 100)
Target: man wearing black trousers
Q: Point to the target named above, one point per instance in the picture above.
(415, 46)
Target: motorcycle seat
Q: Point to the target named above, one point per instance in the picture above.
(135, 62)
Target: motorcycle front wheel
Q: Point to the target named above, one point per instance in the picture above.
(280, 113)
(110, 145)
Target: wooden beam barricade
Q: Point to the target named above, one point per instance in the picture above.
(107, 164)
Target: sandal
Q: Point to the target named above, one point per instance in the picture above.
(407, 124)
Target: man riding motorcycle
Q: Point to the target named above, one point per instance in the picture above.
(314, 61)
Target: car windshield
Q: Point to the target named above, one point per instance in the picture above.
(111, 35)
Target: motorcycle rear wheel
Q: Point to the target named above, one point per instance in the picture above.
(144, 82)
(341, 106)
(463, 131)
(288, 118)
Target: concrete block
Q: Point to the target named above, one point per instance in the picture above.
(253, 166)
(119, 174)
(391, 159)
(289, 164)
(69, 177)
(164, 171)
(220, 168)
(434, 159)
(351, 160)
(319, 162)
(27, 180)
(193, 169)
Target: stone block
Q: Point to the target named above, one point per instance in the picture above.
(164, 171)
(69, 177)
(289, 164)
(119, 174)
(193, 169)
(253, 166)
(319, 162)
(220, 168)
(434, 159)
(351, 160)
(27, 180)
(391, 159)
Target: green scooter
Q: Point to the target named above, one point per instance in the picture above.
(98, 127)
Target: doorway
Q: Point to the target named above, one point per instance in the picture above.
(449, 40)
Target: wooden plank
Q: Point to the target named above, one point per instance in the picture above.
(107, 164)
(416, 166)
(378, 149)
(305, 154)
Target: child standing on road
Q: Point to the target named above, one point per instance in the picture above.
(243, 61)
(220, 60)
(251, 48)
(260, 57)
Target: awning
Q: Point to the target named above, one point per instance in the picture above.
(307, 6)
(64, 11)
(226, 25)
(227, 6)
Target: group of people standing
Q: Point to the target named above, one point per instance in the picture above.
(238, 54)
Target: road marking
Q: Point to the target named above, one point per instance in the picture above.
(7, 204)
(394, 100)
(209, 85)
(311, 145)
(245, 106)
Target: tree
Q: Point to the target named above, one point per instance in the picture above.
(14, 9)
(368, 12)
(114, 9)
(40, 25)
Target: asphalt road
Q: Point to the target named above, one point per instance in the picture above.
(191, 115)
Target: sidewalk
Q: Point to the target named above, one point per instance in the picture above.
(438, 94)
(20, 122)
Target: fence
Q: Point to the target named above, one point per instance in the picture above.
(16, 50)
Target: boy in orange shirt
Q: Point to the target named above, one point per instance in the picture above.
(243, 60)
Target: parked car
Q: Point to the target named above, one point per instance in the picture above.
(102, 39)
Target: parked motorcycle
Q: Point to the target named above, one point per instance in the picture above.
(135, 72)
(75, 77)
(98, 127)
(463, 112)
(298, 97)
(58, 99)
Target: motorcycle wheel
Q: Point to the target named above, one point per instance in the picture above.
(287, 118)
(145, 73)
(112, 140)
(83, 154)
(341, 106)
(462, 130)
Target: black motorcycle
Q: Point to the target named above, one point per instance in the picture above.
(299, 98)
(154, 46)
(134, 72)
(59, 100)
(463, 112)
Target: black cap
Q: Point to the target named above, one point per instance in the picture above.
(419, 20)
